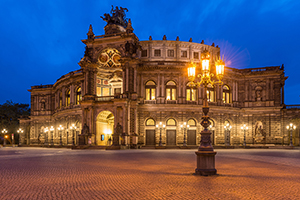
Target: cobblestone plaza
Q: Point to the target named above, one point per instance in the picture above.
(48, 173)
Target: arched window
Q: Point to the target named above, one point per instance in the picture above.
(171, 90)
(150, 122)
(191, 93)
(78, 96)
(226, 94)
(60, 100)
(210, 93)
(150, 90)
(171, 122)
(191, 122)
(68, 98)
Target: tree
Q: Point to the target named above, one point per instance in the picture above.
(9, 116)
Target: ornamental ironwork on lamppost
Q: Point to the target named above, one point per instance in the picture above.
(4, 131)
(73, 127)
(244, 128)
(60, 129)
(160, 127)
(46, 135)
(19, 131)
(205, 153)
(184, 127)
(227, 129)
(291, 127)
(52, 133)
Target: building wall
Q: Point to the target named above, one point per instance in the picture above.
(256, 95)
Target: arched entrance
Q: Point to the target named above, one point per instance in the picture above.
(104, 128)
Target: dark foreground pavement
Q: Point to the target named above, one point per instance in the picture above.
(43, 173)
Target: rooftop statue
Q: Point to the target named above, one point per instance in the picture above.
(117, 16)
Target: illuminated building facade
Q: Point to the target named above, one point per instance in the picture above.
(125, 87)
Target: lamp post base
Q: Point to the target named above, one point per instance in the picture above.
(205, 163)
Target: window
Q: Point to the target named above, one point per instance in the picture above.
(68, 98)
(171, 90)
(171, 122)
(150, 122)
(170, 53)
(157, 52)
(150, 90)
(210, 93)
(103, 87)
(226, 94)
(102, 137)
(196, 55)
(144, 53)
(60, 100)
(78, 96)
(183, 54)
(191, 122)
(191, 94)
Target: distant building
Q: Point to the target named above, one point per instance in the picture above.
(125, 87)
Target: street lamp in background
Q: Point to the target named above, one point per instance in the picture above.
(73, 127)
(227, 129)
(160, 127)
(184, 127)
(46, 135)
(205, 153)
(4, 131)
(60, 129)
(52, 132)
(19, 132)
(244, 128)
(291, 127)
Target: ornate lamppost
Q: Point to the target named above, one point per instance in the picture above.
(60, 129)
(4, 131)
(227, 129)
(73, 127)
(160, 127)
(205, 153)
(244, 128)
(184, 127)
(52, 133)
(291, 127)
(19, 131)
(46, 135)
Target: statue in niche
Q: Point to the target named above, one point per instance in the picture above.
(259, 129)
(43, 105)
(258, 95)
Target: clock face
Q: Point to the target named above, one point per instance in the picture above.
(110, 58)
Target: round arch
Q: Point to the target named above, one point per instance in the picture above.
(104, 128)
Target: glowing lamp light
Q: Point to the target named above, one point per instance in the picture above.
(205, 61)
(191, 70)
(220, 67)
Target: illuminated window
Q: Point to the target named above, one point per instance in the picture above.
(226, 94)
(103, 87)
(191, 122)
(150, 122)
(171, 90)
(157, 52)
(183, 54)
(78, 96)
(210, 93)
(144, 53)
(60, 100)
(150, 90)
(68, 98)
(191, 94)
(171, 122)
(170, 53)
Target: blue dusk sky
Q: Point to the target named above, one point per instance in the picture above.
(41, 39)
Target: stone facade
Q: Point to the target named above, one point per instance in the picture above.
(125, 87)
